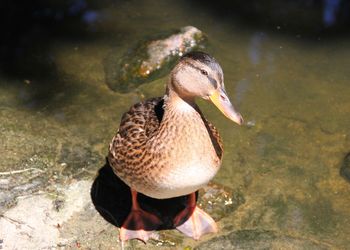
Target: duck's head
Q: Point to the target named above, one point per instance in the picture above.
(197, 74)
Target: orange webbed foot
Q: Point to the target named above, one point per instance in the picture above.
(198, 224)
(139, 224)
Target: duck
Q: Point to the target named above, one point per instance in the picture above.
(165, 147)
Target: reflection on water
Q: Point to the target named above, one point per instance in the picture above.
(293, 91)
(330, 11)
(255, 47)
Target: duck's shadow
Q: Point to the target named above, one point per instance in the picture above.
(112, 199)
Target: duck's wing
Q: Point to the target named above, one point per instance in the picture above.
(142, 119)
(214, 136)
(136, 127)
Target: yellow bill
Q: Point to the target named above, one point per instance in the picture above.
(223, 103)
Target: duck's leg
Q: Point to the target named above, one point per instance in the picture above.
(198, 223)
(139, 224)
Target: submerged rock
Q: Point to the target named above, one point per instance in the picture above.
(150, 59)
(219, 201)
(345, 168)
(260, 239)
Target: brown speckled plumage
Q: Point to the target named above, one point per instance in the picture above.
(164, 146)
(135, 154)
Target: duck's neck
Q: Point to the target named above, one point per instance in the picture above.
(175, 104)
(181, 118)
(182, 134)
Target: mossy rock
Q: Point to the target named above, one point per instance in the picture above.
(151, 58)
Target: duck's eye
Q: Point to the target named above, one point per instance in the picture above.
(204, 72)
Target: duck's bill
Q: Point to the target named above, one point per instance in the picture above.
(223, 103)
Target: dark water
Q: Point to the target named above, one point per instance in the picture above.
(289, 79)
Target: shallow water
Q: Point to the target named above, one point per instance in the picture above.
(292, 91)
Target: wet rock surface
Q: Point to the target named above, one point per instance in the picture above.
(21, 182)
(150, 59)
(36, 223)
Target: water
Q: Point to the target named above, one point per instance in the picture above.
(292, 90)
